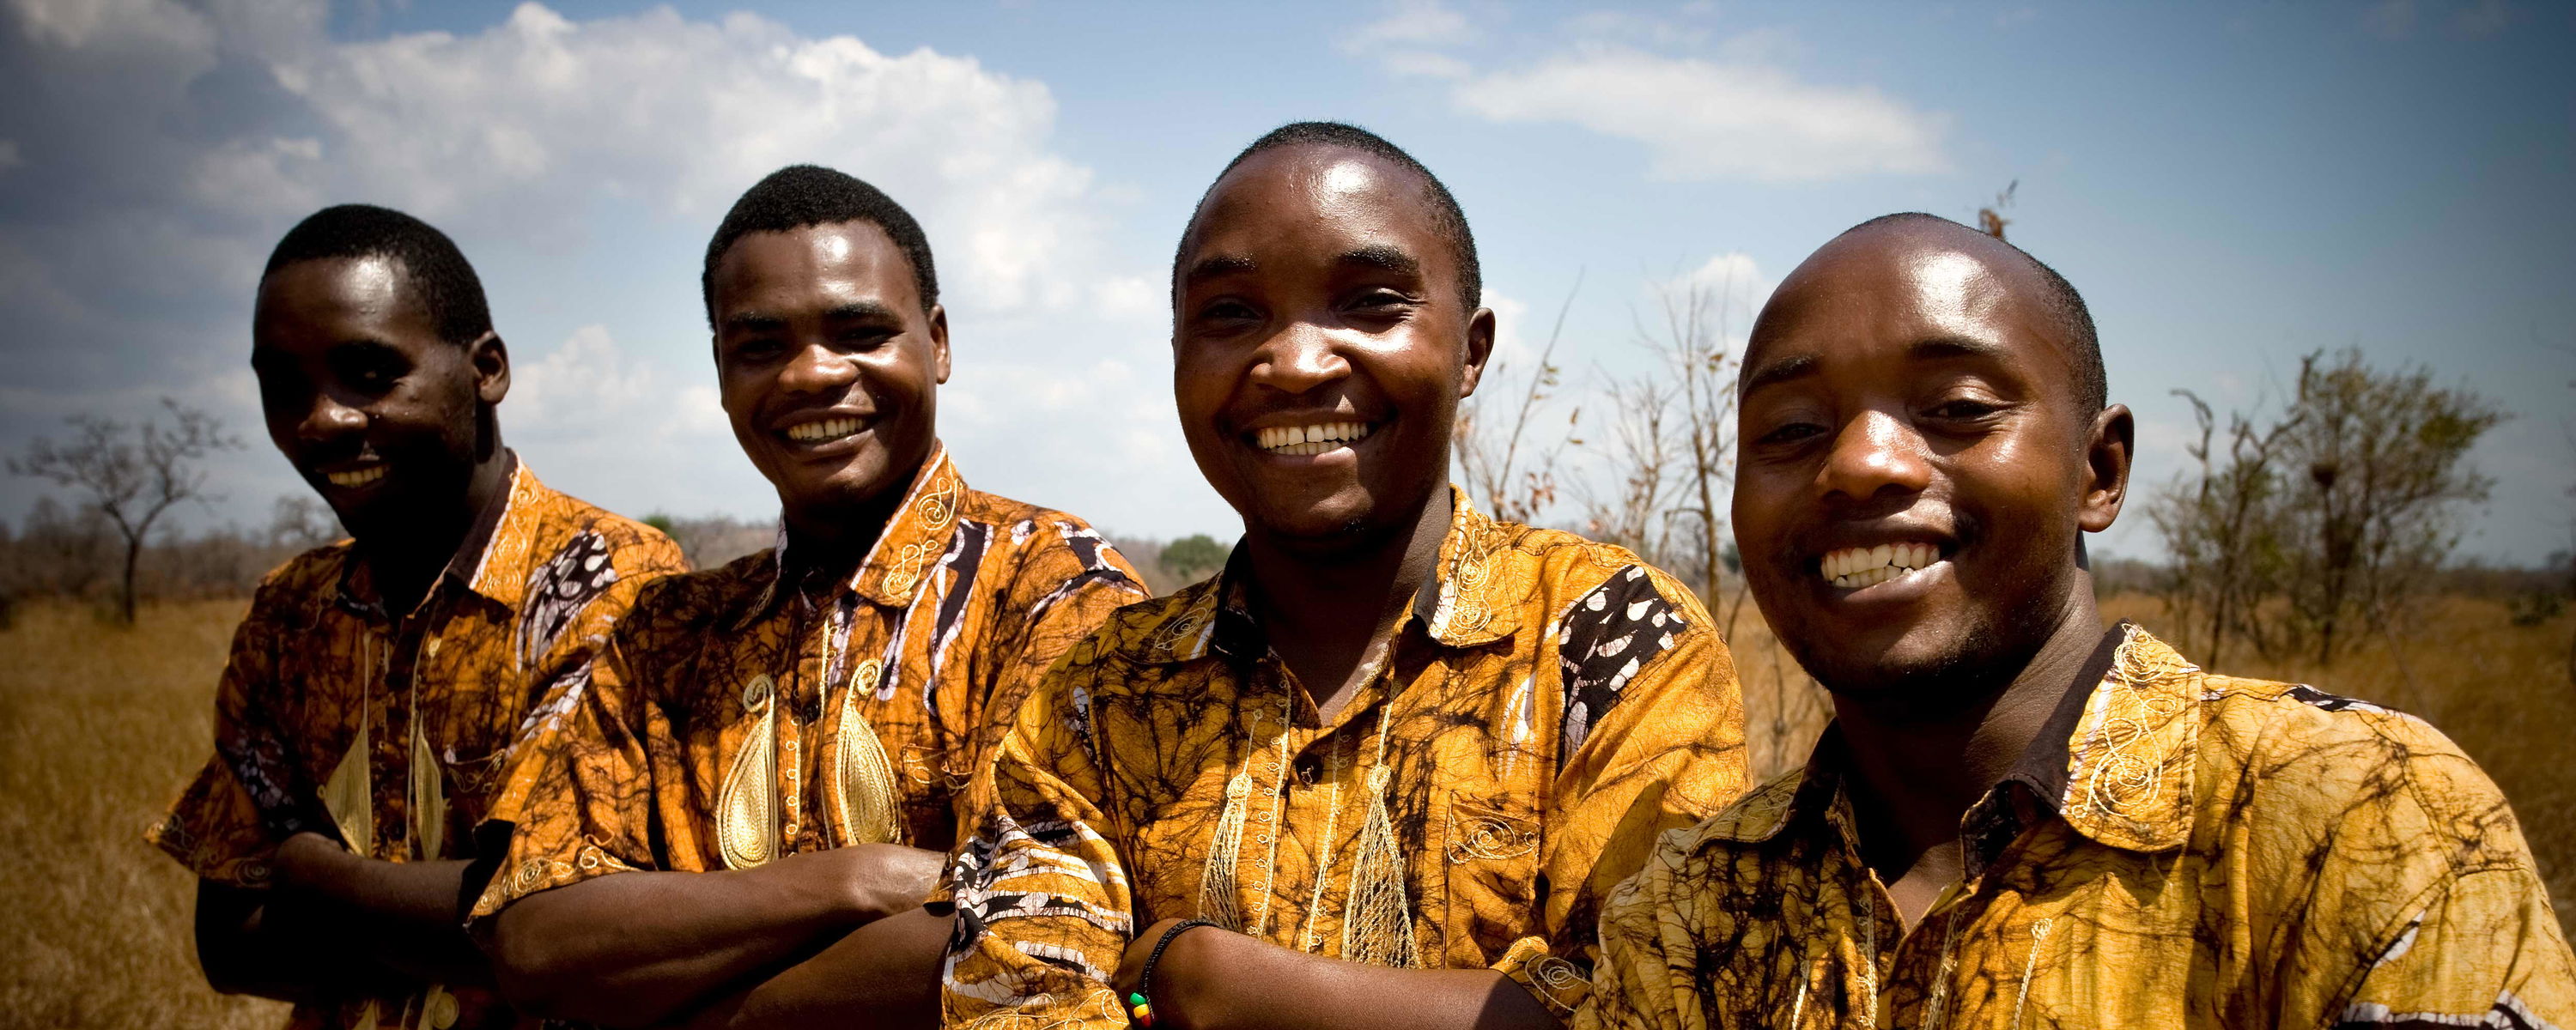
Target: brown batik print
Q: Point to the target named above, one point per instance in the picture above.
(395, 734)
(1547, 705)
(2189, 850)
(737, 717)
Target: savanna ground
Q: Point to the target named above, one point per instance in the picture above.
(99, 726)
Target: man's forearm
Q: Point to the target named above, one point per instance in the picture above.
(402, 913)
(637, 948)
(884, 974)
(1211, 979)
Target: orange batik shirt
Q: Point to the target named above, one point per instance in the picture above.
(2177, 849)
(1546, 706)
(736, 717)
(395, 733)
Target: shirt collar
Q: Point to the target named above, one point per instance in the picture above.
(2114, 761)
(483, 561)
(1462, 606)
(913, 540)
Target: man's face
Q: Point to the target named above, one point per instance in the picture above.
(377, 412)
(828, 365)
(1913, 471)
(1319, 345)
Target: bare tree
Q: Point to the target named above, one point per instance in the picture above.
(1698, 365)
(131, 476)
(2224, 529)
(1490, 454)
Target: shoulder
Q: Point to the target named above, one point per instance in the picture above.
(2306, 762)
(563, 522)
(1048, 548)
(1722, 850)
(1569, 573)
(691, 602)
(316, 571)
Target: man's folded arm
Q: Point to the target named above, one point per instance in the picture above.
(642, 947)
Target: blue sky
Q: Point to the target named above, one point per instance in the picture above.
(2231, 187)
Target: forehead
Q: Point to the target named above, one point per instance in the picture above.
(832, 262)
(1909, 293)
(368, 296)
(1319, 200)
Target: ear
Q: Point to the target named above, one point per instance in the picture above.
(1480, 348)
(939, 341)
(2106, 468)
(491, 360)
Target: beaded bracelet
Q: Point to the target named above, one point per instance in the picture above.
(1137, 1009)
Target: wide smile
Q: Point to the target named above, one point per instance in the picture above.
(1860, 568)
(354, 477)
(823, 432)
(1311, 439)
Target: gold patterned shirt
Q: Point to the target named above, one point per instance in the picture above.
(1546, 706)
(2187, 850)
(737, 716)
(393, 733)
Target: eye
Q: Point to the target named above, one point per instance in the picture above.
(1381, 301)
(1790, 433)
(866, 337)
(1964, 409)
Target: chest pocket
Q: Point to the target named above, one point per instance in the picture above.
(1488, 845)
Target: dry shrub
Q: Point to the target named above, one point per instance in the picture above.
(99, 726)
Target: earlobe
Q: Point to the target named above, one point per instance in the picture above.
(1480, 348)
(491, 359)
(2108, 454)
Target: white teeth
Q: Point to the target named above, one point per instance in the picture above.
(1305, 441)
(1852, 568)
(360, 477)
(822, 429)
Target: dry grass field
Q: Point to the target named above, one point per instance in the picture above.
(99, 726)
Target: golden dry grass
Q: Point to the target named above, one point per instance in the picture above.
(99, 726)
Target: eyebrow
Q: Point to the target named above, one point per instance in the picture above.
(1796, 366)
(1218, 265)
(1939, 347)
(1382, 257)
(862, 311)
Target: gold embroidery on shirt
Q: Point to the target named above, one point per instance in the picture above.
(747, 804)
(863, 787)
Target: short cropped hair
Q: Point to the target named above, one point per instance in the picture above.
(1447, 218)
(436, 271)
(2059, 300)
(797, 196)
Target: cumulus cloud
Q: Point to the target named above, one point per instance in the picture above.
(1704, 119)
(1728, 109)
(173, 143)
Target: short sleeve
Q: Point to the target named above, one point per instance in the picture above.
(583, 794)
(248, 797)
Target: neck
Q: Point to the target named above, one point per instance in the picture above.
(1324, 608)
(1915, 773)
(406, 561)
(833, 538)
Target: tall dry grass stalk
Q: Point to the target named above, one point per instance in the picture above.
(100, 724)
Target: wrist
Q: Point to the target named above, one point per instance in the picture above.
(307, 862)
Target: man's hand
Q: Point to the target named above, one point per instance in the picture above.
(1212, 979)
(639, 948)
(330, 918)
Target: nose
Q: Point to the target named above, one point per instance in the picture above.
(329, 418)
(818, 369)
(1299, 359)
(1875, 453)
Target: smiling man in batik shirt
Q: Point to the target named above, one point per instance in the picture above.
(1396, 751)
(378, 688)
(769, 760)
(2018, 819)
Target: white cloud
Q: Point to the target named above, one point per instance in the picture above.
(1406, 41)
(9, 155)
(516, 138)
(1702, 119)
(1732, 283)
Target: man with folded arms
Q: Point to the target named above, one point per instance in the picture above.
(2018, 818)
(379, 688)
(1397, 751)
(768, 763)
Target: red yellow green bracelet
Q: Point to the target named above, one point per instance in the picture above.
(1137, 1008)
